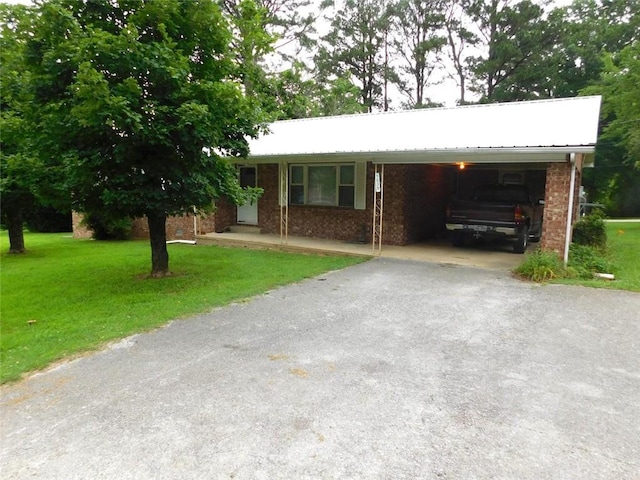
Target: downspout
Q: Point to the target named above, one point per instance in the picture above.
(572, 184)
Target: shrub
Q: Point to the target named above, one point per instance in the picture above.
(48, 219)
(591, 231)
(541, 266)
(585, 260)
(108, 228)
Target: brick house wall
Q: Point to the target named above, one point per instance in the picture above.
(556, 200)
(177, 228)
(415, 199)
(428, 189)
(337, 223)
(79, 229)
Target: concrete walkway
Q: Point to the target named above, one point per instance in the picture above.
(386, 370)
(493, 256)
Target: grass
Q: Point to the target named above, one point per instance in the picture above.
(623, 247)
(622, 258)
(66, 296)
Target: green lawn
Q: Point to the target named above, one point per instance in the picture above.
(624, 252)
(69, 296)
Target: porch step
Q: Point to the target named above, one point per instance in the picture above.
(245, 229)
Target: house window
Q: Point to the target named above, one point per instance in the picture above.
(326, 185)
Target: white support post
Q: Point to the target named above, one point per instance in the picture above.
(572, 185)
(378, 209)
(284, 202)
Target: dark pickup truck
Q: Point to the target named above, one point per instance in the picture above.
(496, 211)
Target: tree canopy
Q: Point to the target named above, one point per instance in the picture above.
(140, 102)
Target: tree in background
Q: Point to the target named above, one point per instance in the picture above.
(518, 40)
(140, 103)
(291, 94)
(417, 40)
(354, 49)
(592, 29)
(24, 181)
(617, 173)
(459, 38)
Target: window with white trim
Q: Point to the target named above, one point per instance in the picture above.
(324, 185)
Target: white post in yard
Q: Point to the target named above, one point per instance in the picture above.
(572, 184)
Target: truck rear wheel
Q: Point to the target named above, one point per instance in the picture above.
(521, 242)
(457, 239)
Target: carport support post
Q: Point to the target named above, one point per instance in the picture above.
(378, 208)
(572, 184)
(284, 202)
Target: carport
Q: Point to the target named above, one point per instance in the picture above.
(376, 158)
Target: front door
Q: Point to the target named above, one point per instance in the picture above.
(248, 213)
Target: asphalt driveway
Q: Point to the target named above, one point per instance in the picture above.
(390, 369)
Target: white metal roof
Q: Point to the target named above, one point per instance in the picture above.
(542, 130)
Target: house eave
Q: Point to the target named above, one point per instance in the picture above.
(451, 156)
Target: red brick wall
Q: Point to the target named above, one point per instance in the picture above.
(428, 189)
(337, 223)
(556, 200)
(178, 228)
(79, 230)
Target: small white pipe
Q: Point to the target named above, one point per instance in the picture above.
(188, 242)
(572, 184)
(195, 222)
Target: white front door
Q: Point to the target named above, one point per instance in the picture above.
(248, 213)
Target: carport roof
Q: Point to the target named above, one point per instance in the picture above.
(532, 131)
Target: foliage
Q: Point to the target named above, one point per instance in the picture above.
(459, 39)
(140, 102)
(355, 48)
(18, 179)
(288, 95)
(108, 228)
(592, 29)
(591, 231)
(541, 266)
(517, 39)
(622, 258)
(586, 260)
(620, 85)
(48, 220)
(69, 312)
(417, 39)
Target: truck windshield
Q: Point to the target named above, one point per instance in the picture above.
(501, 194)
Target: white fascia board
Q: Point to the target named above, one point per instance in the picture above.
(471, 155)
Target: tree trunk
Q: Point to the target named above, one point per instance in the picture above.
(14, 229)
(158, 239)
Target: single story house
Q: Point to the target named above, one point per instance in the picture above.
(386, 177)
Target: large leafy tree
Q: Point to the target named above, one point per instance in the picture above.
(591, 30)
(140, 101)
(18, 169)
(615, 180)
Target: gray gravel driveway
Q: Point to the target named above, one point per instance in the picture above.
(387, 370)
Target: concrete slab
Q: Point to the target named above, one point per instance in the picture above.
(493, 256)
(387, 370)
